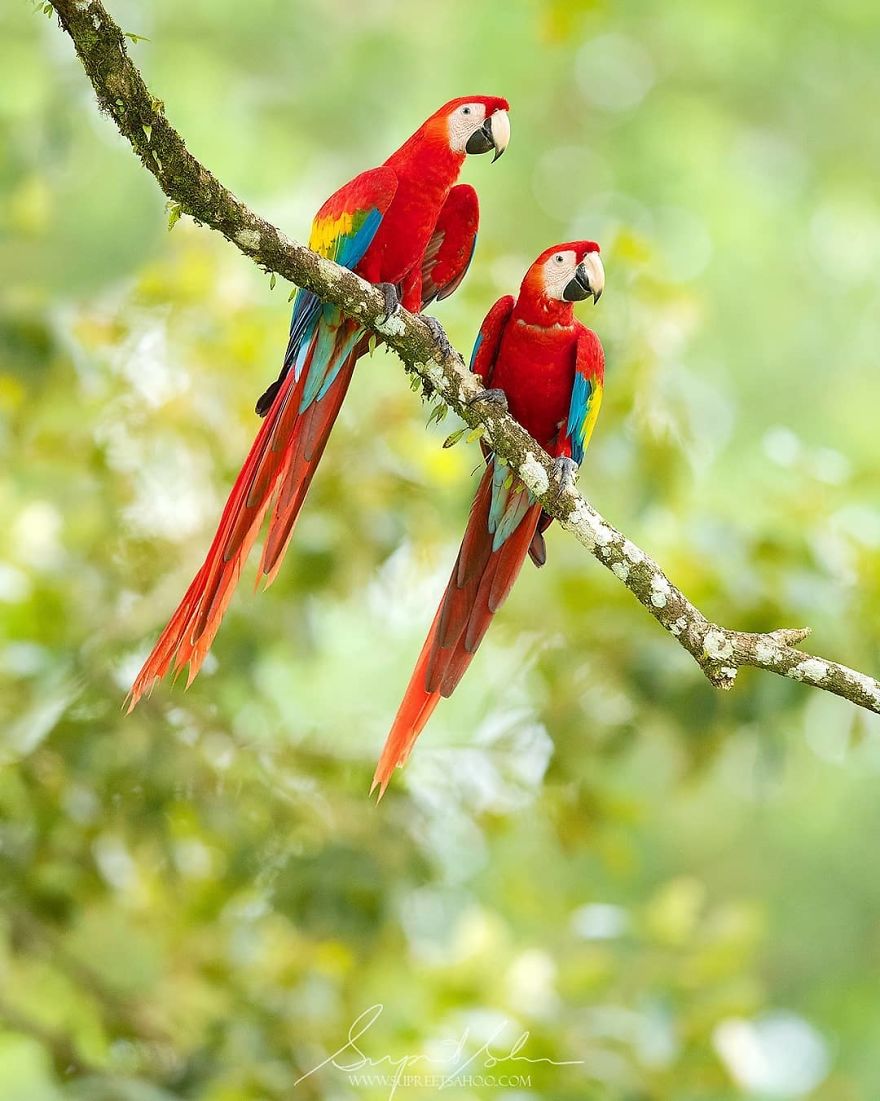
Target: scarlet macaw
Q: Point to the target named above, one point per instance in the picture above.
(537, 357)
(403, 226)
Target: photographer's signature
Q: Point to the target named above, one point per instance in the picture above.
(350, 1058)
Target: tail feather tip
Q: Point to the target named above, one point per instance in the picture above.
(381, 779)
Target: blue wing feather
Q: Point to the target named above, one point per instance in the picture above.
(581, 396)
(586, 394)
(343, 230)
(347, 250)
(477, 344)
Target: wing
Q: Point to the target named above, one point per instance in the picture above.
(586, 397)
(346, 224)
(586, 394)
(489, 339)
(451, 248)
(343, 230)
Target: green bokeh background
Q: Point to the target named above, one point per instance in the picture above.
(675, 888)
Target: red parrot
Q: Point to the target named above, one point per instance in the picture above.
(535, 356)
(402, 226)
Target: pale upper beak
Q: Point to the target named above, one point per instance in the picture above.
(595, 273)
(589, 279)
(493, 134)
(500, 132)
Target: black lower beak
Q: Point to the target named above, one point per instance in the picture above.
(577, 289)
(481, 141)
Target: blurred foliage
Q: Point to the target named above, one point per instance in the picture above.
(672, 887)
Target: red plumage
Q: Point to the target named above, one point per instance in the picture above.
(532, 349)
(479, 584)
(402, 223)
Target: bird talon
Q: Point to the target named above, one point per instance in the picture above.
(438, 333)
(566, 471)
(494, 397)
(392, 301)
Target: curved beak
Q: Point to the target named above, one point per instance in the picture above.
(493, 134)
(589, 279)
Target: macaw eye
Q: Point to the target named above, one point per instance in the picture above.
(465, 110)
(559, 258)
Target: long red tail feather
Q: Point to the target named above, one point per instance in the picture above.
(281, 463)
(480, 582)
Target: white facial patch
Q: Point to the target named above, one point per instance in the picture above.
(463, 122)
(559, 271)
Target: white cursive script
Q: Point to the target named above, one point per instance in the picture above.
(350, 1058)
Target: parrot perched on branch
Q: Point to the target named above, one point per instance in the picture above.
(533, 355)
(402, 226)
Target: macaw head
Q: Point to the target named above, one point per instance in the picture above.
(472, 124)
(569, 272)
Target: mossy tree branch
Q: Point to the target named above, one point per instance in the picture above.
(140, 116)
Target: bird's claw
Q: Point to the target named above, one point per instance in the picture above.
(494, 397)
(566, 471)
(392, 301)
(438, 333)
